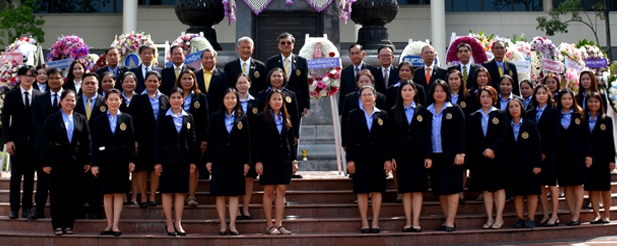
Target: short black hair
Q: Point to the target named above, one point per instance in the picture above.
(285, 35)
(23, 70)
(54, 71)
(42, 66)
(112, 91)
(385, 47)
(466, 45)
(146, 46)
(91, 75)
(354, 45)
(111, 48)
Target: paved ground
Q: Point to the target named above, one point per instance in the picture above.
(600, 241)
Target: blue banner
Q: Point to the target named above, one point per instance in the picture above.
(62, 64)
(192, 59)
(416, 61)
(323, 63)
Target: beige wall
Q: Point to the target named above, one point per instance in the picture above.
(98, 30)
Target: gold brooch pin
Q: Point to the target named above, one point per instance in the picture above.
(256, 74)
(196, 104)
(602, 127)
(419, 118)
(525, 135)
(577, 121)
(463, 105)
(239, 125)
(298, 72)
(123, 126)
(495, 120)
(379, 121)
(448, 116)
(188, 125)
(288, 99)
(254, 110)
(102, 108)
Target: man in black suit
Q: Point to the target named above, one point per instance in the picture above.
(91, 105)
(112, 56)
(245, 64)
(146, 54)
(388, 73)
(211, 80)
(41, 78)
(420, 74)
(43, 107)
(348, 74)
(19, 136)
(498, 67)
(170, 74)
(295, 68)
(463, 52)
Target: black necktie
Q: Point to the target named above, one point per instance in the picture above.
(55, 103)
(27, 101)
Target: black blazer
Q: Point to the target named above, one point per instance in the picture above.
(549, 127)
(218, 84)
(41, 109)
(514, 97)
(471, 82)
(257, 70)
(393, 91)
(171, 147)
(365, 145)
(121, 70)
(348, 80)
(35, 85)
(268, 145)
(415, 136)
(109, 149)
(143, 117)
(575, 139)
(227, 147)
(602, 140)
(466, 104)
(351, 103)
(57, 152)
(70, 85)
(582, 104)
(99, 108)
(291, 104)
(17, 120)
(510, 69)
(419, 76)
(453, 131)
(169, 77)
(253, 108)
(298, 79)
(525, 153)
(141, 86)
(199, 110)
(380, 84)
(495, 139)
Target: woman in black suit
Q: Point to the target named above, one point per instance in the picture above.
(410, 152)
(524, 163)
(129, 81)
(487, 131)
(277, 80)
(175, 154)
(482, 78)
(548, 119)
(113, 154)
(368, 155)
(573, 153)
(145, 110)
(405, 72)
(74, 78)
(552, 82)
(603, 145)
(251, 107)
(65, 157)
(588, 83)
(275, 165)
(506, 84)
(446, 122)
(196, 104)
(228, 157)
(527, 88)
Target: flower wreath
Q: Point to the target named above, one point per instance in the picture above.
(322, 82)
(513, 54)
(479, 55)
(68, 47)
(612, 91)
(8, 76)
(592, 51)
(190, 43)
(541, 48)
(19, 42)
(130, 43)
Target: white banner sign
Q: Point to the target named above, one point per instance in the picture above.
(574, 65)
(522, 66)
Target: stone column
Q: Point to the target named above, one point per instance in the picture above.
(547, 5)
(129, 16)
(438, 29)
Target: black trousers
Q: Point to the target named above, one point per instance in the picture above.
(42, 187)
(64, 198)
(91, 193)
(22, 164)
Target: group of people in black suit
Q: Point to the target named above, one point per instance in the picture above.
(162, 125)
(514, 147)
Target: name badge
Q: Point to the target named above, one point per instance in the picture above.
(495, 121)
(101, 148)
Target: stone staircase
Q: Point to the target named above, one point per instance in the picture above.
(321, 211)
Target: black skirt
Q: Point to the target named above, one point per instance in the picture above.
(369, 177)
(276, 173)
(114, 179)
(598, 177)
(227, 179)
(523, 182)
(446, 177)
(412, 175)
(488, 175)
(548, 176)
(175, 178)
(251, 173)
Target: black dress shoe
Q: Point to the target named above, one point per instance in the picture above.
(375, 230)
(574, 223)
(247, 217)
(529, 223)
(234, 233)
(171, 234)
(450, 229)
(94, 216)
(519, 223)
(461, 200)
(25, 214)
(441, 228)
(399, 201)
(38, 214)
(13, 215)
(143, 205)
(296, 176)
(152, 204)
(116, 233)
(411, 229)
(179, 233)
(223, 233)
(104, 233)
(366, 230)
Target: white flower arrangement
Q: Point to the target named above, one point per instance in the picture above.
(322, 82)
(414, 48)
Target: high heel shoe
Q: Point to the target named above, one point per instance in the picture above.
(574, 222)
(488, 225)
(497, 225)
(556, 223)
(172, 234)
(179, 233)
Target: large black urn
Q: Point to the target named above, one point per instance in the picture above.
(200, 16)
(373, 15)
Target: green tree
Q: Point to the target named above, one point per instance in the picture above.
(18, 21)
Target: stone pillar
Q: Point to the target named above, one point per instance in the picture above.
(129, 16)
(547, 5)
(438, 29)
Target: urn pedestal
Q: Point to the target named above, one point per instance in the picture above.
(200, 16)
(373, 15)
